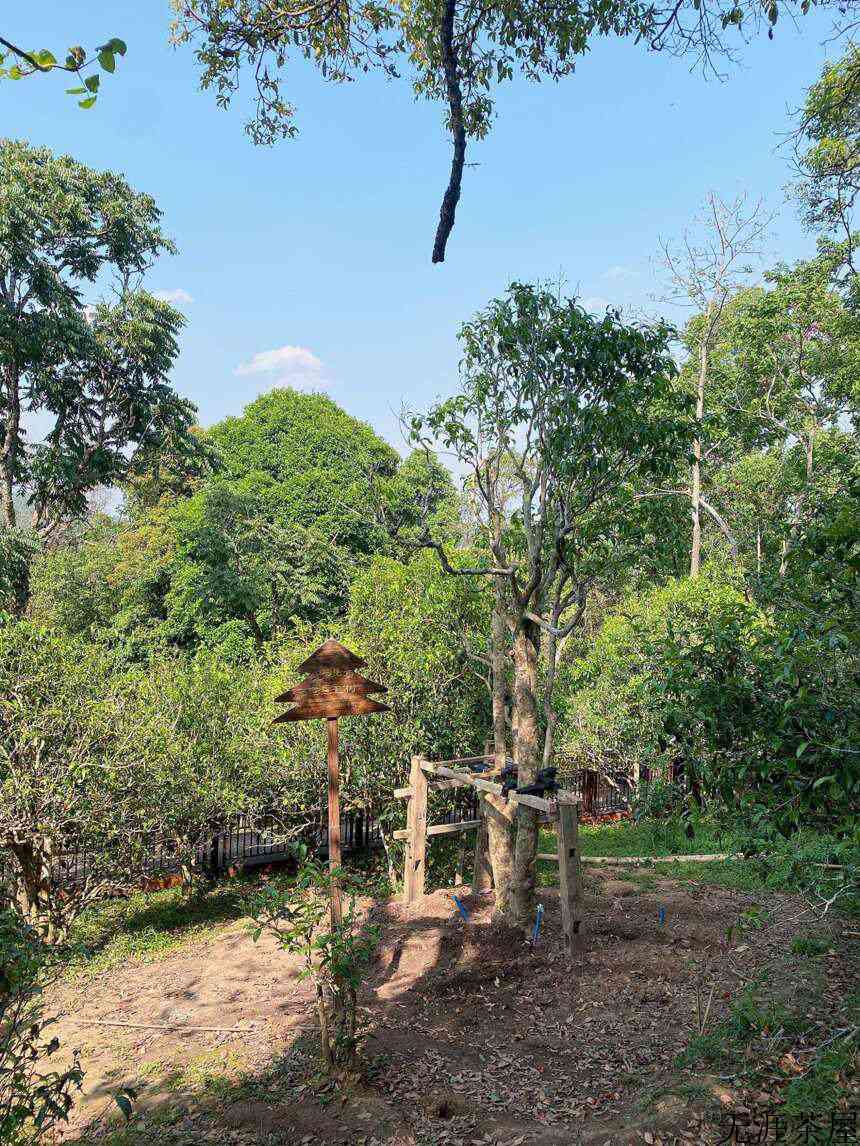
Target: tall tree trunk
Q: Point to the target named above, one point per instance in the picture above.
(696, 476)
(500, 839)
(527, 755)
(9, 445)
(549, 711)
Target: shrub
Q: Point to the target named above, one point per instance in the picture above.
(65, 775)
(759, 711)
(34, 1100)
(334, 956)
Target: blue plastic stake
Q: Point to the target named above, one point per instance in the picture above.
(662, 916)
(461, 909)
(536, 930)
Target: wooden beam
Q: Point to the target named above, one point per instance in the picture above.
(548, 807)
(570, 876)
(638, 861)
(465, 760)
(449, 829)
(440, 829)
(416, 827)
(537, 802)
(334, 856)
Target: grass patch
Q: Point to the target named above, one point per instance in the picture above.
(148, 925)
(764, 1040)
(626, 838)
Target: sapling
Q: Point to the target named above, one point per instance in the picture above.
(335, 955)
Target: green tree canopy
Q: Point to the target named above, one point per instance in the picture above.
(828, 146)
(307, 462)
(98, 373)
(455, 51)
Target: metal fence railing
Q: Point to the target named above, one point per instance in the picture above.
(266, 838)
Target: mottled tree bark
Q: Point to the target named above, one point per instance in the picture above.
(527, 756)
(500, 839)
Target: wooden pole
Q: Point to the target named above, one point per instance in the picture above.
(569, 875)
(416, 838)
(482, 876)
(334, 858)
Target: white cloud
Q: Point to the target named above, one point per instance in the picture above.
(177, 295)
(619, 273)
(293, 360)
(595, 304)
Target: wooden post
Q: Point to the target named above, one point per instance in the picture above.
(334, 819)
(569, 875)
(482, 876)
(416, 839)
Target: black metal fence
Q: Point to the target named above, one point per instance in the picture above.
(268, 838)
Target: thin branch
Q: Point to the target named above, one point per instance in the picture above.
(448, 210)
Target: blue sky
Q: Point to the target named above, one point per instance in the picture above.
(319, 248)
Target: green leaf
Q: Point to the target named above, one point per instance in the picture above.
(15, 72)
(107, 61)
(88, 102)
(75, 91)
(45, 59)
(92, 83)
(114, 45)
(125, 1101)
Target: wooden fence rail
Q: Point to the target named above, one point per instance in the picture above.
(562, 810)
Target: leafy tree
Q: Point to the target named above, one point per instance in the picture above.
(757, 710)
(100, 374)
(570, 412)
(710, 267)
(828, 153)
(16, 552)
(72, 586)
(788, 361)
(200, 756)
(65, 772)
(455, 51)
(77, 62)
(307, 463)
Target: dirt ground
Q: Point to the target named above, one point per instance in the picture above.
(474, 1036)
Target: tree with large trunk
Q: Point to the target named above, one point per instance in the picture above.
(559, 415)
(97, 374)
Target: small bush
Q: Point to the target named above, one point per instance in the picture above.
(34, 1100)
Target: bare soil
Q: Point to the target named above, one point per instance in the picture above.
(474, 1036)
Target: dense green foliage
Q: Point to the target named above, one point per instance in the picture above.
(696, 678)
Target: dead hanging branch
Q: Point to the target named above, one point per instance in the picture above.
(448, 210)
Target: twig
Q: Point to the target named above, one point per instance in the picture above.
(162, 1026)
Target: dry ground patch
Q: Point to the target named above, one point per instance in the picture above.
(473, 1036)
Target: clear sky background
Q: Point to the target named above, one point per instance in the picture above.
(323, 243)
